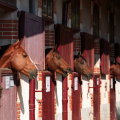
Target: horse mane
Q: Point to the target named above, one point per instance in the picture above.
(76, 56)
(47, 50)
(111, 62)
(3, 49)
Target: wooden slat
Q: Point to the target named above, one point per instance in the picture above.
(87, 48)
(104, 53)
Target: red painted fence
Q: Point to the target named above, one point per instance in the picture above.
(104, 53)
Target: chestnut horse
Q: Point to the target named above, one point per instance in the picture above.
(17, 59)
(81, 66)
(55, 62)
(115, 69)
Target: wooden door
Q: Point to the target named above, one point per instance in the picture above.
(32, 32)
(48, 96)
(8, 108)
(112, 98)
(76, 90)
(104, 53)
(96, 97)
(87, 48)
(64, 40)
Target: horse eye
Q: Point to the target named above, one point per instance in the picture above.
(24, 55)
(58, 58)
(82, 62)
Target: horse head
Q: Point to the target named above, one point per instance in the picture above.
(115, 69)
(81, 66)
(55, 62)
(16, 58)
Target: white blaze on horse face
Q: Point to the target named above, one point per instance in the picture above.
(33, 63)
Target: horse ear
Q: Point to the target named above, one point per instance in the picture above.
(52, 50)
(54, 47)
(17, 44)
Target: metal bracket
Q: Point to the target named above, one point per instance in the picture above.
(105, 86)
(92, 87)
(43, 89)
(1, 91)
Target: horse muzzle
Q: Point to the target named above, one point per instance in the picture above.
(69, 70)
(66, 71)
(90, 76)
(33, 74)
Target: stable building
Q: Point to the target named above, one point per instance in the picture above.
(90, 27)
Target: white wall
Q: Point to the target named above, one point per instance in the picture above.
(117, 98)
(105, 106)
(86, 100)
(23, 5)
(12, 15)
(23, 94)
(86, 16)
(58, 94)
(58, 16)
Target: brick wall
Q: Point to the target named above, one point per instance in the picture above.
(96, 70)
(70, 103)
(40, 4)
(39, 108)
(55, 105)
(77, 44)
(97, 47)
(49, 38)
(18, 111)
(40, 76)
(54, 6)
(112, 52)
(40, 100)
(9, 29)
(80, 101)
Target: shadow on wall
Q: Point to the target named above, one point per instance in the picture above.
(85, 78)
(118, 113)
(23, 92)
(21, 98)
(57, 92)
(117, 80)
(103, 77)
